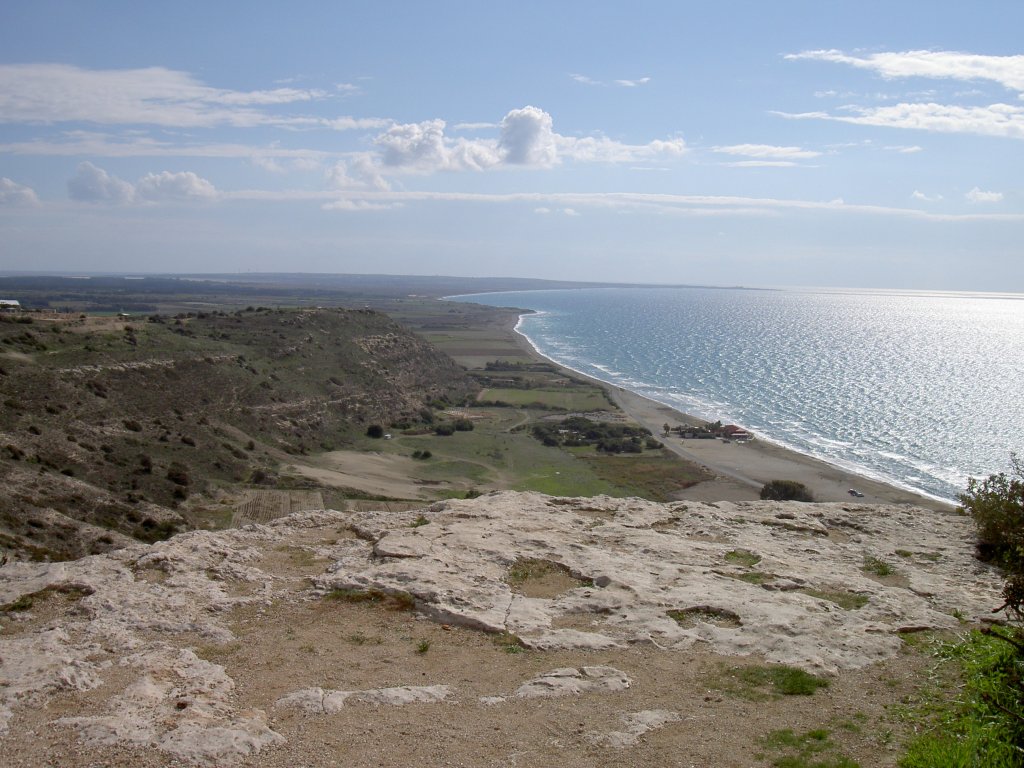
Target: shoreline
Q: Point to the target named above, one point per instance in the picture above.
(740, 469)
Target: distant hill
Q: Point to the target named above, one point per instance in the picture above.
(168, 292)
(108, 424)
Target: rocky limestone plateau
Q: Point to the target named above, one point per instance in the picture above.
(275, 644)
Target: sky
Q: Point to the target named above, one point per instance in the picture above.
(855, 144)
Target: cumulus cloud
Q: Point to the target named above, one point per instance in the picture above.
(156, 187)
(14, 194)
(526, 138)
(1008, 71)
(94, 185)
(91, 184)
(980, 196)
(916, 195)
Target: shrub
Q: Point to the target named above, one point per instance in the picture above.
(376, 431)
(444, 430)
(785, 490)
(997, 506)
(463, 425)
(177, 473)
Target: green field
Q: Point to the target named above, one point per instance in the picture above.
(572, 398)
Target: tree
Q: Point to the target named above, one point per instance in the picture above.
(785, 490)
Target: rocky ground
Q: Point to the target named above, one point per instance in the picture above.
(509, 630)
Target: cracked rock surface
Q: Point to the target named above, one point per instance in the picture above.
(606, 622)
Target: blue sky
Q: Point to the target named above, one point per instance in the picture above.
(858, 144)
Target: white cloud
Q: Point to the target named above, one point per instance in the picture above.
(14, 194)
(94, 185)
(55, 93)
(346, 204)
(683, 205)
(632, 83)
(916, 195)
(903, 150)
(157, 187)
(527, 138)
(994, 120)
(473, 126)
(621, 83)
(1008, 71)
(767, 151)
(762, 164)
(979, 196)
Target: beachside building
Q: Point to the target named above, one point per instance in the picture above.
(733, 432)
(10, 305)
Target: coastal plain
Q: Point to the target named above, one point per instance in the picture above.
(478, 597)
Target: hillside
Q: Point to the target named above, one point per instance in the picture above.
(109, 424)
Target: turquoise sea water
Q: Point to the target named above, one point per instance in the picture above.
(921, 390)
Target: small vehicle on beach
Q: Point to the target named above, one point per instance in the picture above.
(855, 492)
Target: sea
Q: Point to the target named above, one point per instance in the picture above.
(921, 390)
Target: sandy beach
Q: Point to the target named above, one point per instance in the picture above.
(741, 469)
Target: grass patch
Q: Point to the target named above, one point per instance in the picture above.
(422, 647)
(541, 578)
(848, 601)
(769, 681)
(804, 750)
(419, 521)
(689, 617)
(27, 602)
(509, 643)
(572, 398)
(875, 567)
(397, 601)
(656, 475)
(981, 724)
(358, 638)
(754, 577)
(214, 653)
(743, 557)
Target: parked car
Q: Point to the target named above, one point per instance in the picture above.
(855, 492)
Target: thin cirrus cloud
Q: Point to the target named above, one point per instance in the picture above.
(767, 151)
(526, 138)
(55, 93)
(14, 194)
(1001, 120)
(1008, 71)
(1004, 120)
(621, 83)
(91, 184)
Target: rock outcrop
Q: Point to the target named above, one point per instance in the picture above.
(823, 587)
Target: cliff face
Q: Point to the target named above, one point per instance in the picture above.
(276, 644)
(107, 424)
